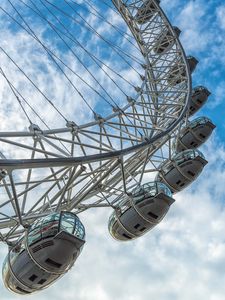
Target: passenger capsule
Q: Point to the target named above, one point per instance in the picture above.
(199, 96)
(44, 254)
(140, 212)
(166, 41)
(181, 170)
(146, 11)
(194, 134)
(177, 73)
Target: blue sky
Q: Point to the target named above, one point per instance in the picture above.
(184, 257)
(203, 26)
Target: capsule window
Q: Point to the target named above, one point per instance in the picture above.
(36, 248)
(136, 226)
(33, 277)
(191, 173)
(126, 236)
(53, 263)
(151, 214)
(22, 290)
(42, 281)
(202, 135)
(178, 182)
(142, 229)
(194, 144)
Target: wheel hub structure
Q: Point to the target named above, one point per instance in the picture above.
(94, 164)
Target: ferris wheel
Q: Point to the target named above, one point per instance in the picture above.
(105, 96)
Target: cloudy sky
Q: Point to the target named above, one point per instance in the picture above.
(184, 257)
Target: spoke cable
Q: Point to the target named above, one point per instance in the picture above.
(16, 96)
(76, 89)
(117, 107)
(60, 67)
(83, 63)
(32, 82)
(48, 50)
(90, 28)
(53, 54)
(100, 16)
(92, 56)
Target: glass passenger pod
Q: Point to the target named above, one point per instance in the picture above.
(10, 279)
(178, 74)
(147, 10)
(194, 134)
(144, 209)
(199, 97)
(63, 234)
(182, 169)
(166, 41)
(50, 248)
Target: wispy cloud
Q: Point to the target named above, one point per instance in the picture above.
(183, 258)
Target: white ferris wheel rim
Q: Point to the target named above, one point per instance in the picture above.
(139, 150)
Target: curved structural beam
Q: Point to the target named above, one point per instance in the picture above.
(114, 149)
(159, 105)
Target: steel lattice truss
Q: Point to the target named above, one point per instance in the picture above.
(95, 164)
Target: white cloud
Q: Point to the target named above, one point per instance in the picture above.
(183, 258)
(191, 21)
(221, 16)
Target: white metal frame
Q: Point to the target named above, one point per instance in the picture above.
(93, 165)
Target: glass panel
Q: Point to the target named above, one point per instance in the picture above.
(199, 121)
(123, 206)
(49, 229)
(36, 224)
(44, 227)
(16, 250)
(50, 225)
(198, 153)
(50, 218)
(112, 219)
(34, 236)
(187, 154)
(5, 267)
(150, 189)
(179, 158)
(79, 229)
(166, 166)
(145, 191)
(163, 188)
(67, 222)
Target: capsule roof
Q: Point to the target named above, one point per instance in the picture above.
(55, 223)
(146, 11)
(182, 169)
(189, 153)
(192, 61)
(199, 121)
(165, 41)
(194, 134)
(137, 214)
(177, 31)
(152, 188)
(178, 72)
(199, 96)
